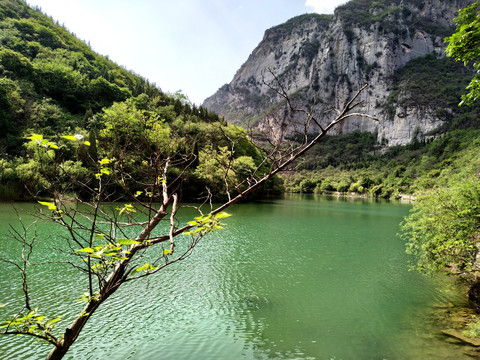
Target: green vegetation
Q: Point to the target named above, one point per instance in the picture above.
(443, 229)
(401, 170)
(473, 328)
(390, 16)
(53, 84)
(464, 45)
(431, 82)
(279, 31)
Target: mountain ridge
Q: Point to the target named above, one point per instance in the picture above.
(324, 59)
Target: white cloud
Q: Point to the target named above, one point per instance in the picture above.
(324, 6)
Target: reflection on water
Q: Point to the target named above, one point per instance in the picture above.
(304, 278)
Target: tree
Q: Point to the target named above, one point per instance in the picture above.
(442, 229)
(464, 45)
(142, 164)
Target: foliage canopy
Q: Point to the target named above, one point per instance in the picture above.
(443, 229)
(464, 45)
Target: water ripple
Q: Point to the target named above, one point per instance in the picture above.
(286, 280)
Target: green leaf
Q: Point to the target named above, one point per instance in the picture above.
(85, 297)
(222, 215)
(146, 268)
(127, 208)
(140, 268)
(87, 250)
(56, 319)
(127, 242)
(203, 218)
(166, 252)
(35, 137)
(69, 137)
(110, 253)
(87, 143)
(51, 206)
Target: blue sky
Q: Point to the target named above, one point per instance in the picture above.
(195, 46)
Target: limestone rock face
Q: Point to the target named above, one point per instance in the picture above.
(322, 60)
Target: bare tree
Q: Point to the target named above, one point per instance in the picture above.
(109, 244)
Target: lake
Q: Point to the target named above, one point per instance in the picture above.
(304, 277)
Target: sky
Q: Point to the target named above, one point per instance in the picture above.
(194, 46)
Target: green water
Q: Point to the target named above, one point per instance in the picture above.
(300, 278)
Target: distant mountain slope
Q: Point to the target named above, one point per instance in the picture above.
(53, 86)
(54, 82)
(323, 60)
(51, 79)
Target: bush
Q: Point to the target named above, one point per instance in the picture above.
(343, 186)
(307, 186)
(377, 190)
(16, 64)
(326, 186)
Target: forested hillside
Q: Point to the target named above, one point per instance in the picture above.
(54, 85)
(353, 163)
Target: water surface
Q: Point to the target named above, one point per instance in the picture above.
(299, 278)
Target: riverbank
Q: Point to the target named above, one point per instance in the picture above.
(457, 326)
(351, 194)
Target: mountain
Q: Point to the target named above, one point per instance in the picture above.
(396, 46)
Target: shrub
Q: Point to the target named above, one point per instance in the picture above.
(307, 186)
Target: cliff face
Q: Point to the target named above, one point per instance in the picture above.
(324, 60)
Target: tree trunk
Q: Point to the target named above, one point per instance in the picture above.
(72, 332)
(112, 283)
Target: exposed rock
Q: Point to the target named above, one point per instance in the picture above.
(472, 353)
(324, 59)
(460, 336)
(474, 295)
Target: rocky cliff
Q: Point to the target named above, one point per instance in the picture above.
(323, 59)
